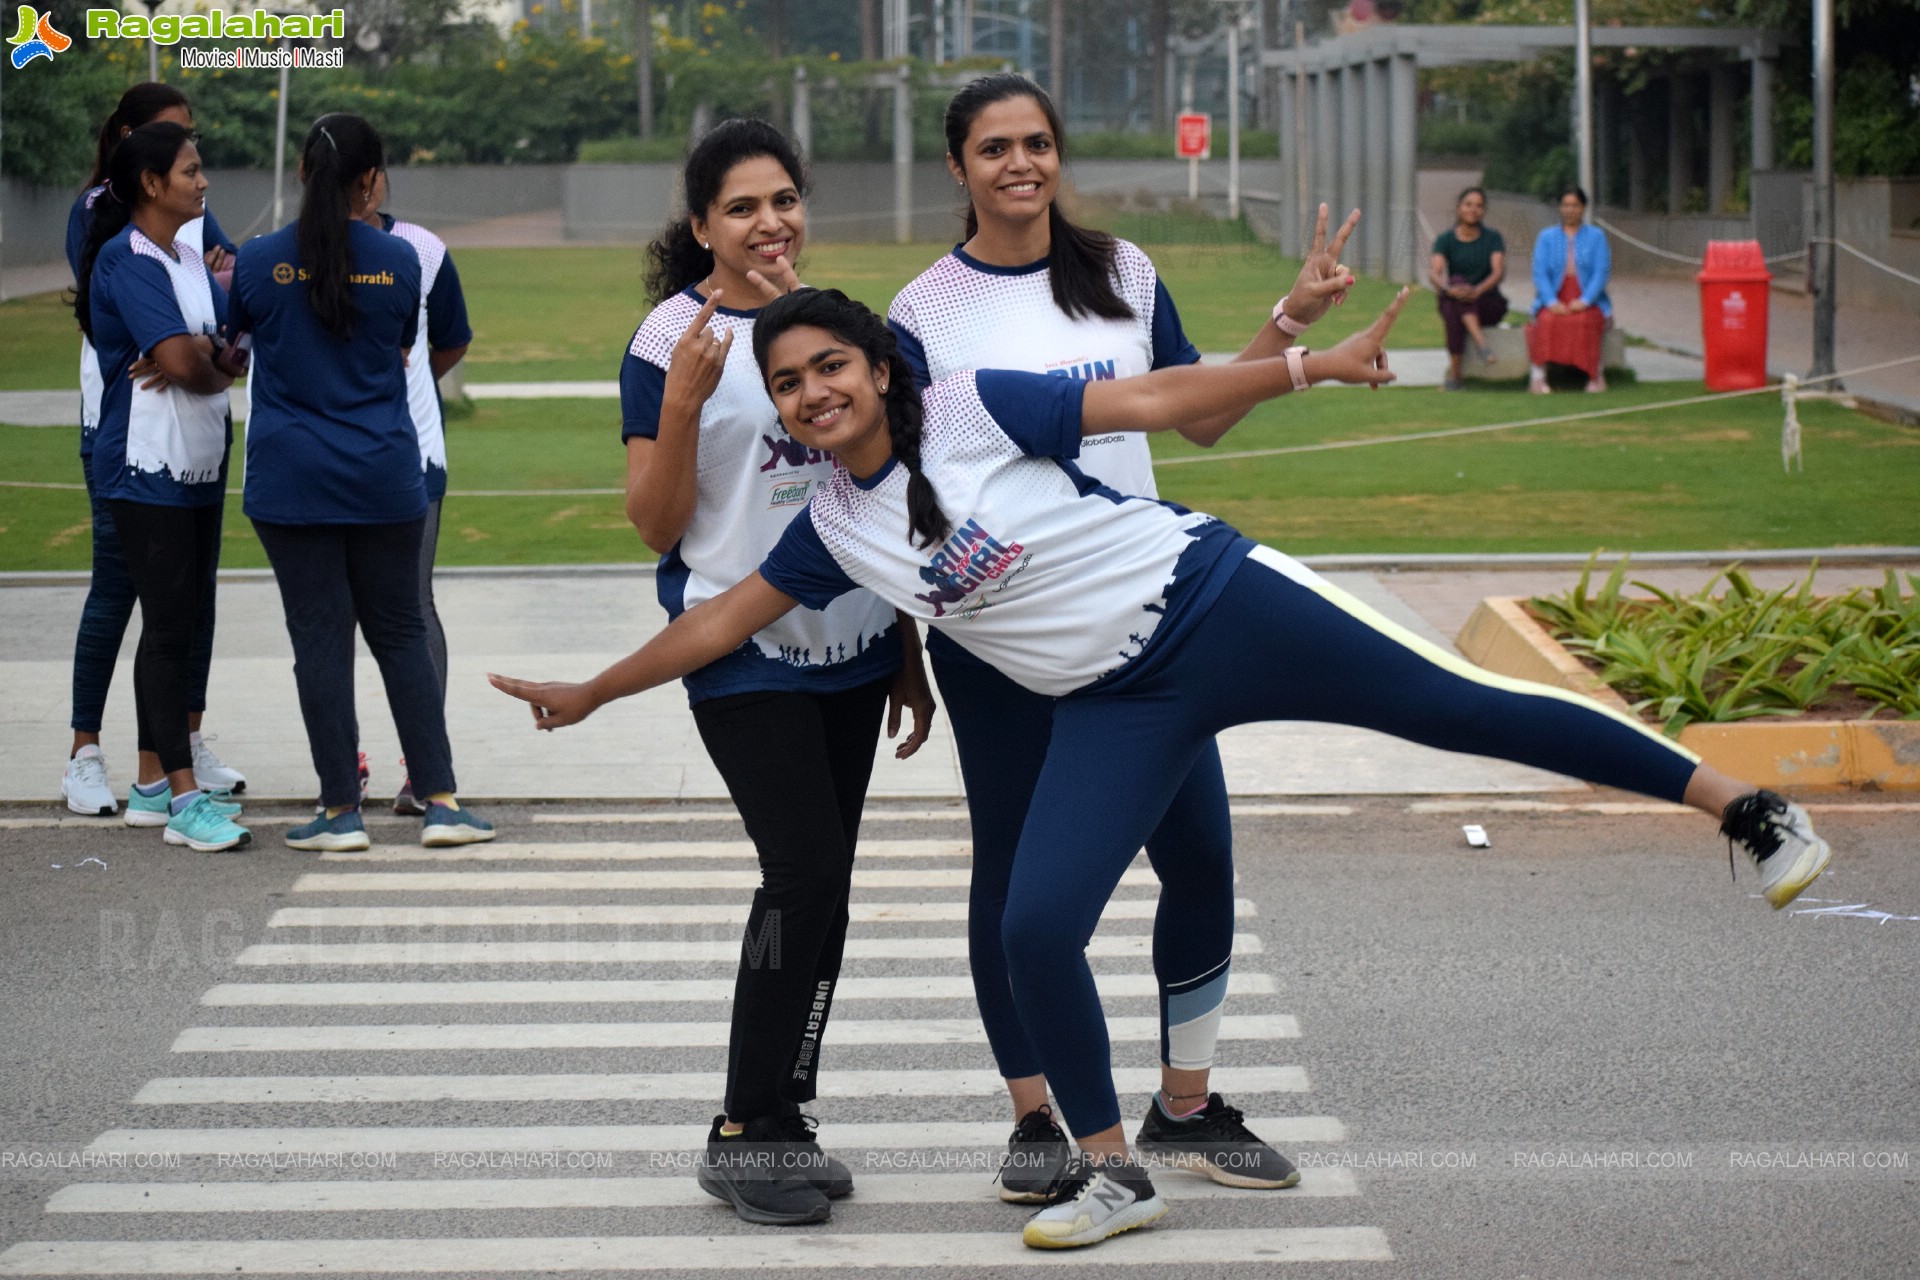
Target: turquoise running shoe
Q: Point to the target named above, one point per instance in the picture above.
(203, 828)
(445, 826)
(157, 811)
(342, 833)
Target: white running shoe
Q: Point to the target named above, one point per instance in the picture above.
(1778, 836)
(210, 773)
(1091, 1201)
(84, 785)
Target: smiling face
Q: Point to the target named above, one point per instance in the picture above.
(181, 192)
(1011, 161)
(758, 217)
(1471, 210)
(830, 396)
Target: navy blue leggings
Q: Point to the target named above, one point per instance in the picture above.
(1002, 730)
(104, 618)
(1279, 644)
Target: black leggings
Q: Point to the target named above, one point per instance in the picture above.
(796, 765)
(170, 554)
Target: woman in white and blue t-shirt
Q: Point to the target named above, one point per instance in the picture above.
(334, 485)
(1155, 628)
(1031, 290)
(791, 717)
(443, 340)
(160, 453)
(110, 594)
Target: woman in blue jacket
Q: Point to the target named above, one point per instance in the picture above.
(1571, 310)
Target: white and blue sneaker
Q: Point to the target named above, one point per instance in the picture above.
(445, 826)
(1093, 1200)
(203, 828)
(144, 810)
(1778, 836)
(84, 785)
(342, 833)
(210, 773)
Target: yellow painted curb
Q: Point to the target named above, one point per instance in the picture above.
(1871, 755)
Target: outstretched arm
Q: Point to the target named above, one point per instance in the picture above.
(1165, 398)
(702, 634)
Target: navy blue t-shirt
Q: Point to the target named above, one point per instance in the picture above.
(330, 439)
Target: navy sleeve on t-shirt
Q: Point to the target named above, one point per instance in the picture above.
(643, 386)
(79, 220)
(1170, 343)
(1039, 413)
(913, 351)
(447, 325)
(801, 566)
(140, 292)
(212, 237)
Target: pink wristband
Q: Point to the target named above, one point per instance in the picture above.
(1297, 367)
(1286, 323)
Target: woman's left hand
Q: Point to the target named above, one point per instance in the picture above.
(910, 692)
(1323, 279)
(555, 704)
(1577, 306)
(779, 279)
(216, 259)
(146, 367)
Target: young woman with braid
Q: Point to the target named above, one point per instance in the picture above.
(1031, 290)
(1154, 628)
(110, 591)
(790, 714)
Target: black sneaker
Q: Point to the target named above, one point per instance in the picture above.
(749, 1172)
(1779, 838)
(1216, 1142)
(1092, 1200)
(1037, 1153)
(828, 1176)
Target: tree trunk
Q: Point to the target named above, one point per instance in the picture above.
(1057, 53)
(869, 30)
(1159, 20)
(777, 28)
(643, 62)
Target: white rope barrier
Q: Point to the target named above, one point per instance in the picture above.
(1892, 271)
(1657, 251)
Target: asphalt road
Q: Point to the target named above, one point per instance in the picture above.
(1582, 1052)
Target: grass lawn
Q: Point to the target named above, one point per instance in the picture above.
(565, 314)
(1705, 476)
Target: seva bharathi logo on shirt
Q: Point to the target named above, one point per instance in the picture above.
(36, 38)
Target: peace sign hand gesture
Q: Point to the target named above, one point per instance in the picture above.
(779, 280)
(1323, 279)
(1362, 357)
(699, 358)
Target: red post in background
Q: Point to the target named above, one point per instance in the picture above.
(1733, 314)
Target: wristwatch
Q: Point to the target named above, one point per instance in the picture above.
(1297, 367)
(1286, 323)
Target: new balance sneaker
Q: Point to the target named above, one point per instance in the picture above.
(210, 773)
(750, 1171)
(445, 826)
(829, 1177)
(84, 785)
(1093, 1200)
(1778, 836)
(405, 803)
(342, 833)
(144, 810)
(203, 828)
(1215, 1141)
(1037, 1153)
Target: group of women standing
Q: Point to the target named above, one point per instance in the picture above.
(345, 464)
(820, 481)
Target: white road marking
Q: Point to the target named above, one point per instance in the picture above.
(676, 913)
(508, 881)
(631, 851)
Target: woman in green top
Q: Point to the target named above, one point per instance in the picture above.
(1468, 263)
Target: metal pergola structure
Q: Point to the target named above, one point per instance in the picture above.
(1348, 116)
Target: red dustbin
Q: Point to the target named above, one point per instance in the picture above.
(1733, 314)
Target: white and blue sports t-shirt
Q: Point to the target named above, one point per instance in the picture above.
(752, 478)
(962, 313)
(166, 447)
(443, 323)
(330, 439)
(203, 231)
(1056, 580)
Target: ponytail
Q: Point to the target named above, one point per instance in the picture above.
(675, 258)
(852, 323)
(137, 106)
(152, 148)
(340, 149)
(1080, 259)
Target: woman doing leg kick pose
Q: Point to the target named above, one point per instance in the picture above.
(1031, 290)
(1155, 627)
(791, 714)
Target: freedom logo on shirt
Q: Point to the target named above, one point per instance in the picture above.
(970, 557)
(790, 494)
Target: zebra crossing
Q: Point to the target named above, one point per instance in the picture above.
(398, 1079)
